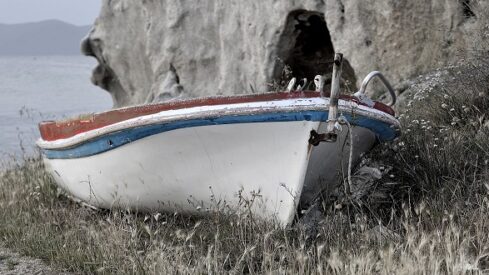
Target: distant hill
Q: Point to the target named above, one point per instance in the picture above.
(51, 37)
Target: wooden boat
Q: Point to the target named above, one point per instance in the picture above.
(187, 155)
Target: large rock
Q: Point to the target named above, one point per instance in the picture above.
(227, 47)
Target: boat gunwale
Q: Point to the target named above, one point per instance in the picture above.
(58, 130)
(209, 112)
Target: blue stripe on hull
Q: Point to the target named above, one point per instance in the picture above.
(113, 140)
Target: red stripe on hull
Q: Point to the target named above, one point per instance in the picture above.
(54, 130)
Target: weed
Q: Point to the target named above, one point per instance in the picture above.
(11, 264)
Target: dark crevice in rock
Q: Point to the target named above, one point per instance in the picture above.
(86, 47)
(306, 47)
(342, 10)
(467, 9)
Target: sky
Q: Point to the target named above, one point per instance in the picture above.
(77, 12)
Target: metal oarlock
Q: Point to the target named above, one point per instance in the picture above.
(361, 93)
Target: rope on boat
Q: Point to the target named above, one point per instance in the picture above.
(343, 120)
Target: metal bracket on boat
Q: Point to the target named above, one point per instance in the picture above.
(333, 127)
(315, 139)
(319, 83)
(362, 97)
(291, 85)
(301, 85)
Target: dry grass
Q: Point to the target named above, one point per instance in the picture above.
(432, 237)
(444, 148)
(438, 222)
(41, 222)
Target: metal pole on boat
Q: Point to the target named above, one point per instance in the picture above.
(332, 127)
(334, 97)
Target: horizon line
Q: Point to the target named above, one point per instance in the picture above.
(46, 20)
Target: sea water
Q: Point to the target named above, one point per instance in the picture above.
(37, 88)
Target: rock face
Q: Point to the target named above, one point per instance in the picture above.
(232, 47)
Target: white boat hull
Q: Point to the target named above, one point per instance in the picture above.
(192, 169)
